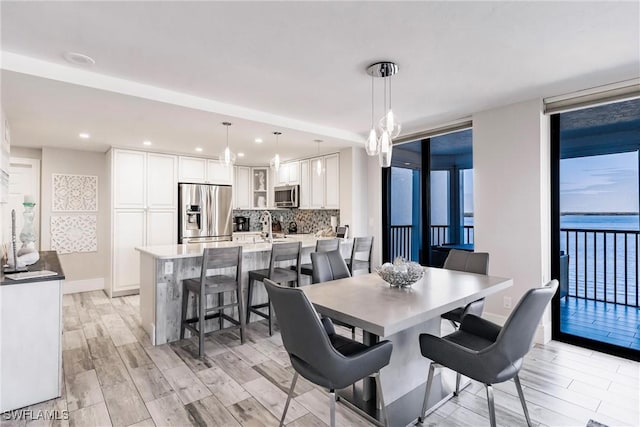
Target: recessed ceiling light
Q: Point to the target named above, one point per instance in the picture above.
(199, 149)
(84, 135)
(146, 142)
(258, 140)
(240, 154)
(76, 58)
(407, 164)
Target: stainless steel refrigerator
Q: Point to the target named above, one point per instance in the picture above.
(205, 213)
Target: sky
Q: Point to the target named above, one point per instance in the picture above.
(607, 183)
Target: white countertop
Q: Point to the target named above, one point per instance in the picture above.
(196, 249)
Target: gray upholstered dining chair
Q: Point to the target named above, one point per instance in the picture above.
(329, 266)
(318, 353)
(470, 262)
(486, 352)
(322, 245)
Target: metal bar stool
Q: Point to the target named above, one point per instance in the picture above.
(218, 284)
(322, 245)
(279, 252)
(361, 245)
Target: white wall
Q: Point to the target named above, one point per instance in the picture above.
(83, 271)
(353, 201)
(511, 200)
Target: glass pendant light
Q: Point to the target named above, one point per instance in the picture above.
(228, 157)
(386, 148)
(388, 126)
(276, 158)
(372, 148)
(389, 121)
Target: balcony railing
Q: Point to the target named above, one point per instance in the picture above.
(603, 264)
(440, 235)
(401, 241)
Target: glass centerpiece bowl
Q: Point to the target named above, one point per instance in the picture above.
(401, 273)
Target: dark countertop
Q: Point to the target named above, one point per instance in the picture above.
(48, 261)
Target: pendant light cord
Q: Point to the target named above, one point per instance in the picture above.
(372, 102)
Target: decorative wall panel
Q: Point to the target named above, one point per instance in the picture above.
(74, 233)
(75, 193)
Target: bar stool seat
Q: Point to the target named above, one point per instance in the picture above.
(279, 252)
(217, 284)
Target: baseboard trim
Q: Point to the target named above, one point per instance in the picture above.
(543, 332)
(85, 285)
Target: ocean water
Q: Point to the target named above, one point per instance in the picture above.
(603, 256)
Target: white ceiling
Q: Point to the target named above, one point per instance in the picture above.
(296, 67)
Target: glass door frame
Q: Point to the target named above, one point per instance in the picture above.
(425, 214)
(556, 332)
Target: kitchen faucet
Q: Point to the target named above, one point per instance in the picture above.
(267, 233)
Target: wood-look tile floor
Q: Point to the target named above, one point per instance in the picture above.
(113, 376)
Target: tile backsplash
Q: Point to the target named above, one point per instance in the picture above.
(308, 220)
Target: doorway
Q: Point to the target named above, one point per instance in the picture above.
(596, 226)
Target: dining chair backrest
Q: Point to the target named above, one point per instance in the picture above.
(285, 252)
(328, 266)
(303, 335)
(217, 258)
(326, 245)
(470, 262)
(362, 245)
(516, 337)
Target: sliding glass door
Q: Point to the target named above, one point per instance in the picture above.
(597, 227)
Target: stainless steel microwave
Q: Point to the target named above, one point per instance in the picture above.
(286, 196)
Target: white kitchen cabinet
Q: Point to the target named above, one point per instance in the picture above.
(288, 174)
(260, 188)
(129, 232)
(128, 179)
(145, 198)
(192, 170)
(31, 350)
(332, 181)
(320, 191)
(161, 227)
(305, 185)
(204, 171)
(316, 198)
(162, 191)
(219, 173)
(242, 188)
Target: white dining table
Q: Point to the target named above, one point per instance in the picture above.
(400, 315)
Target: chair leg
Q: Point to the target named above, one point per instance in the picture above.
(383, 407)
(240, 313)
(185, 305)
(332, 408)
(221, 311)
(286, 405)
(492, 408)
(201, 316)
(423, 413)
(249, 295)
(270, 318)
(353, 333)
(516, 379)
(457, 392)
(454, 324)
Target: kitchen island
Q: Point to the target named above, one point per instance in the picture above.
(162, 269)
